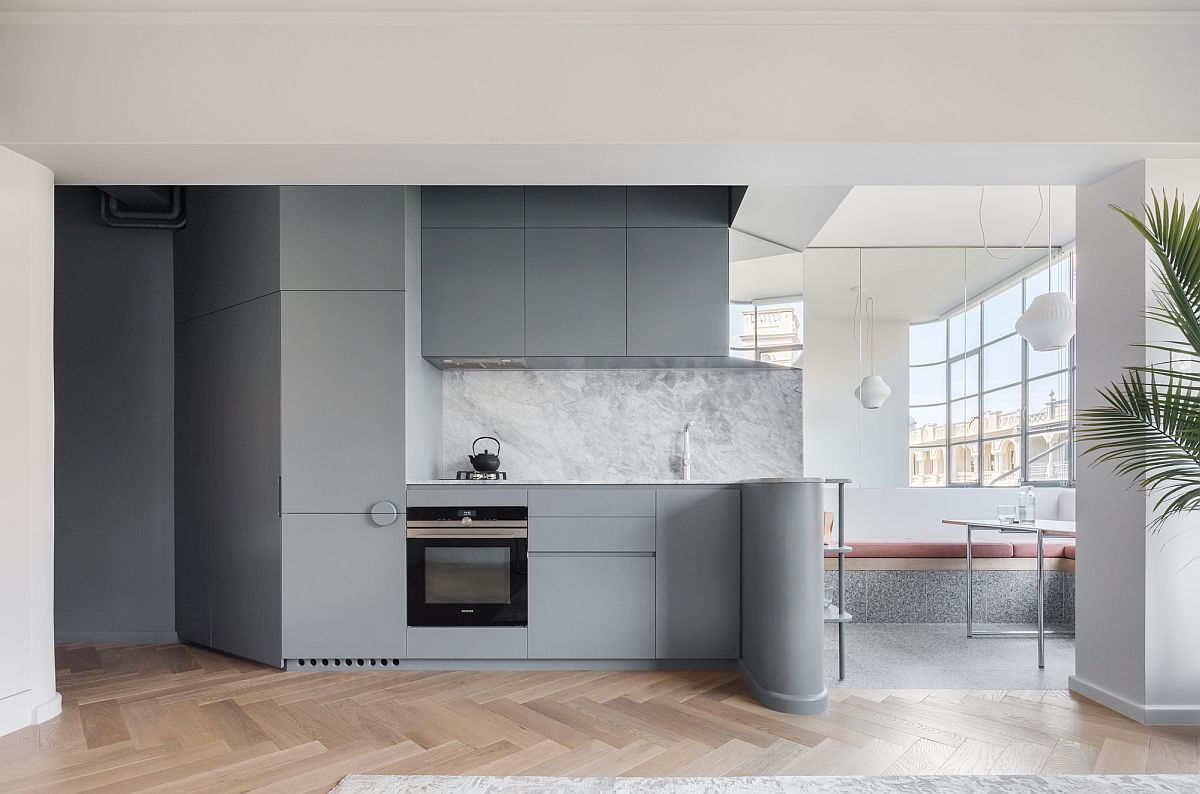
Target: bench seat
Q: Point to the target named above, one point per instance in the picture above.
(906, 548)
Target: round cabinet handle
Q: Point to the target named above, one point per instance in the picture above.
(384, 513)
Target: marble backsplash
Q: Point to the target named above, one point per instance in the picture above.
(623, 425)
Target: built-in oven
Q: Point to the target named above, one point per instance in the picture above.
(467, 566)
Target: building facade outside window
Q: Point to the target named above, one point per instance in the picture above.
(983, 401)
(771, 331)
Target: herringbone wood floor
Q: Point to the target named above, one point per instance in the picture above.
(175, 718)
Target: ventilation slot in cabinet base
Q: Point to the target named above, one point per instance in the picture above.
(343, 664)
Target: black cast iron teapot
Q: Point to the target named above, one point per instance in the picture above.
(485, 461)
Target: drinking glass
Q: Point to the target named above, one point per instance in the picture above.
(1007, 514)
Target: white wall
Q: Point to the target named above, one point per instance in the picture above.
(1138, 640)
(27, 456)
(918, 512)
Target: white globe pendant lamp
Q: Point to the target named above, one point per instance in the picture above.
(872, 392)
(1049, 322)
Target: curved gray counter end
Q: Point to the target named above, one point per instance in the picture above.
(782, 588)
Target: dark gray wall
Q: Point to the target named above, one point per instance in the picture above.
(114, 450)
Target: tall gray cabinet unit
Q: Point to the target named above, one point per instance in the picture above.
(289, 421)
(581, 272)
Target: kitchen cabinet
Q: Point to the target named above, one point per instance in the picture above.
(473, 207)
(243, 475)
(575, 206)
(575, 292)
(344, 594)
(468, 642)
(591, 607)
(698, 573)
(678, 292)
(473, 292)
(341, 237)
(678, 206)
(341, 401)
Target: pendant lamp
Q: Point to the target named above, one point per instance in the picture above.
(1049, 322)
(872, 391)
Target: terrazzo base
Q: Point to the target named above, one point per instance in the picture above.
(941, 656)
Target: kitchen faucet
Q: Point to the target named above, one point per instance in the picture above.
(687, 451)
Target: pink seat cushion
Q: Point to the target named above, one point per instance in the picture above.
(1069, 552)
(1051, 548)
(915, 548)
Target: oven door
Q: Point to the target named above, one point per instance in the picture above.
(467, 581)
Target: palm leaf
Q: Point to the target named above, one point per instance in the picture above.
(1148, 427)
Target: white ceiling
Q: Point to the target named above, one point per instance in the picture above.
(909, 284)
(787, 214)
(601, 5)
(928, 216)
(776, 276)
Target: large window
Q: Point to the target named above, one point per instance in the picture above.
(770, 331)
(985, 408)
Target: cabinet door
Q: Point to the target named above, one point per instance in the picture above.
(698, 577)
(473, 292)
(343, 587)
(243, 473)
(591, 607)
(472, 207)
(575, 292)
(575, 206)
(342, 401)
(678, 292)
(341, 237)
(679, 205)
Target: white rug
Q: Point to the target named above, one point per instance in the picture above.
(957, 784)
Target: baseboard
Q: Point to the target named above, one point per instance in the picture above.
(16, 712)
(334, 664)
(117, 637)
(780, 701)
(1145, 713)
(48, 710)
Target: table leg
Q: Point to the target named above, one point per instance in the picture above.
(1041, 601)
(970, 587)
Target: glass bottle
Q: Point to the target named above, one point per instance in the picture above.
(1027, 505)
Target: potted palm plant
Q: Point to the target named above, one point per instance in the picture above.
(1148, 425)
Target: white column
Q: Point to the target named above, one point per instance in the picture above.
(1138, 632)
(27, 692)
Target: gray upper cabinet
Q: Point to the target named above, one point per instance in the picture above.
(229, 251)
(341, 237)
(343, 587)
(575, 206)
(698, 576)
(342, 401)
(575, 292)
(466, 207)
(473, 292)
(591, 607)
(679, 206)
(678, 292)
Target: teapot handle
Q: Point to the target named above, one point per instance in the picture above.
(482, 438)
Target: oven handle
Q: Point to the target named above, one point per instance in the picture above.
(475, 533)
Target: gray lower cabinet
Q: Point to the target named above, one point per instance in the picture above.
(698, 577)
(678, 292)
(472, 292)
(575, 292)
(343, 587)
(591, 607)
(341, 401)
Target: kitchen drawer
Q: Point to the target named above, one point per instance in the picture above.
(596, 501)
(591, 607)
(463, 496)
(591, 534)
(467, 642)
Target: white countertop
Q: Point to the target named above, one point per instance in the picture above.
(655, 483)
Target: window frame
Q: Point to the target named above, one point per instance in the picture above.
(1025, 431)
(758, 350)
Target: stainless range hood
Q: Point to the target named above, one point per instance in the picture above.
(599, 362)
